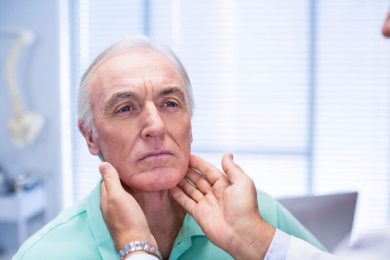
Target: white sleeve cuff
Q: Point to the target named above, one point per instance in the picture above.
(300, 249)
(279, 246)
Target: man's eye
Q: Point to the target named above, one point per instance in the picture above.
(170, 104)
(124, 109)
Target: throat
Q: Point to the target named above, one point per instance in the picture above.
(165, 218)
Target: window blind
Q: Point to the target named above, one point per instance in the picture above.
(353, 117)
(249, 63)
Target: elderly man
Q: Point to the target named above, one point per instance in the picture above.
(135, 106)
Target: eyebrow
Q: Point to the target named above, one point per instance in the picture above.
(172, 90)
(116, 97)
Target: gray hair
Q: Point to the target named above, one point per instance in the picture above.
(85, 114)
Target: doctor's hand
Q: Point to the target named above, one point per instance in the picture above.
(121, 212)
(386, 26)
(224, 204)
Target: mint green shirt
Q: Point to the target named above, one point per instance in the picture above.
(80, 233)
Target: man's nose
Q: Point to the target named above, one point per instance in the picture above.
(154, 125)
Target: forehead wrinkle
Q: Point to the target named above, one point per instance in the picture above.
(172, 90)
(118, 96)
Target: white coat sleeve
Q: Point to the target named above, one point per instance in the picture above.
(286, 247)
(300, 249)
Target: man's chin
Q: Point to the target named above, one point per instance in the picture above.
(156, 179)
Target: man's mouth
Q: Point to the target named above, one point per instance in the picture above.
(156, 155)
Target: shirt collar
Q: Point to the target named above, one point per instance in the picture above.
(105, 243)
(190, 227)
(183, 240)
(98, 226)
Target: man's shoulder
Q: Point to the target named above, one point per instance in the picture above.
(278, 216)
(268, 206)
(65, 233)
(275, 214)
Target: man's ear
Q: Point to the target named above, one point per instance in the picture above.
(91, 143)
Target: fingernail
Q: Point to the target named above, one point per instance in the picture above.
(103, 167)
(231, 156)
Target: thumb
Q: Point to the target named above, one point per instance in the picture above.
(110, 178)
(232, 170)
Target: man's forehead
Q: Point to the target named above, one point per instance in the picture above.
(137, 58)
(136, 71)
(136, 63)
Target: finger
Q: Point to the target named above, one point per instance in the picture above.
(190, 190)
(211, 172)
(199, 180)
(386, 26)
(232, 170)
(110, 178)
(186, 202)
(103, 198)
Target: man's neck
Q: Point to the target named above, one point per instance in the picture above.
(164, 216)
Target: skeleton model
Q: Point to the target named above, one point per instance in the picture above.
(25, 125)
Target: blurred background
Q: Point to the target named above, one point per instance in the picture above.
(298, 90)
